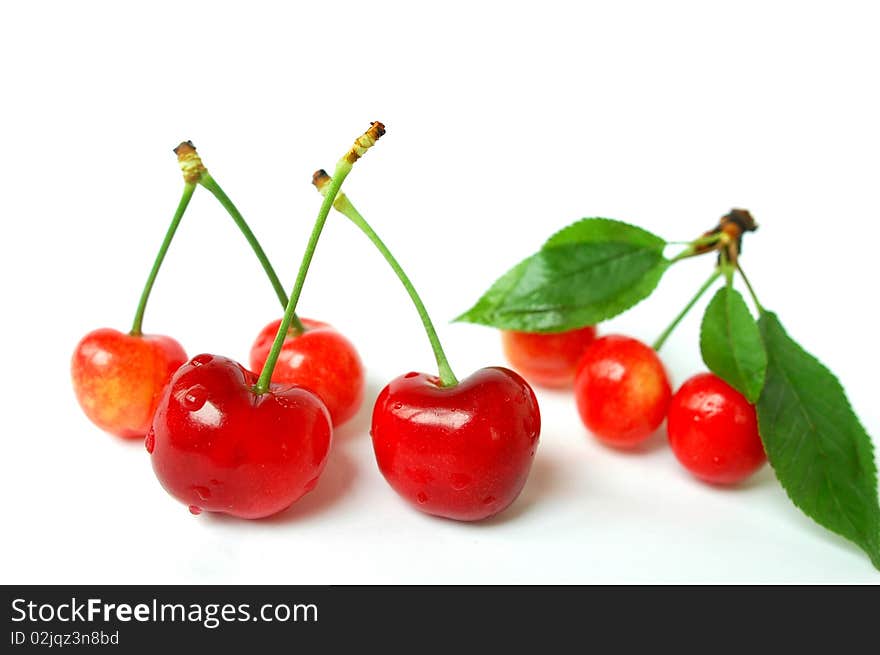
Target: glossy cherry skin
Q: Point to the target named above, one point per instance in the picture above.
(550, 360)
(219, 447)
(462, 452)
(622, 391)
(320, 359)
(713, 431)
(119, 378)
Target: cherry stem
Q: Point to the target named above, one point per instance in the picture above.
(695, 247)
(211, 185)
(343, 168)
(678, 319)
(137, 325)
(343, 206)
(757, 302)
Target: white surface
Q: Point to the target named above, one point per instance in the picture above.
(505, 123)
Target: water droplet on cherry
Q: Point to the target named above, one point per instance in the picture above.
(200, 360)
(194, 510)
(411, 374)
(194, 398)
(422, 497)
(150, 441)
(488, 500)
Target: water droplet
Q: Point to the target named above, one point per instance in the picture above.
(411, 374)
(202, 492)
(195, 511)
(311, 484)
(422, 497)
(200, 360)
(397, 406)
(194, 398)
(460, 481)
(150, 441)
(488, 500)
(716, 459)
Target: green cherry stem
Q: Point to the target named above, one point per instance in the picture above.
(343, 205)
(697, 247)
(343, 168)
(757, 302)
(137, 325)
(193, 169)
(678, 319)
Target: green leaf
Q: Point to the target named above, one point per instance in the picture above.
(821, 453)
(731, 343)
(600, 230)
(570, 286)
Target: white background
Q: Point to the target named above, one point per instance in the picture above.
(505, 122)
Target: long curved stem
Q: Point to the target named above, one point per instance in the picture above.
(211, 185)
(684, 312)
(343, 206)
(343, 168)
(137, 324)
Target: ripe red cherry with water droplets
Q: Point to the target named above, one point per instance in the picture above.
(547, 359)
(622, 391)
(713, 431)
(462, 452)
(119, 378)
(320, 359)
(218, 446)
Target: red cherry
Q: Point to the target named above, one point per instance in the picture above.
(713, 431)
(320, 359)
(218, 446)
(550, 360)
(462, 452)
(119, 378)
(622, 390)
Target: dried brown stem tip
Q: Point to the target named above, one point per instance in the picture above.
(731, 227)
(365, 142)
(190, 162)
(320, 179)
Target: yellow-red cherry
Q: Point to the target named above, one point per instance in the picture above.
(320, 359)
(118, 378)
(547, 359)
(622, 390)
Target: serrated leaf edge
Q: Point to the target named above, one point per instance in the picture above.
(874, 556)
